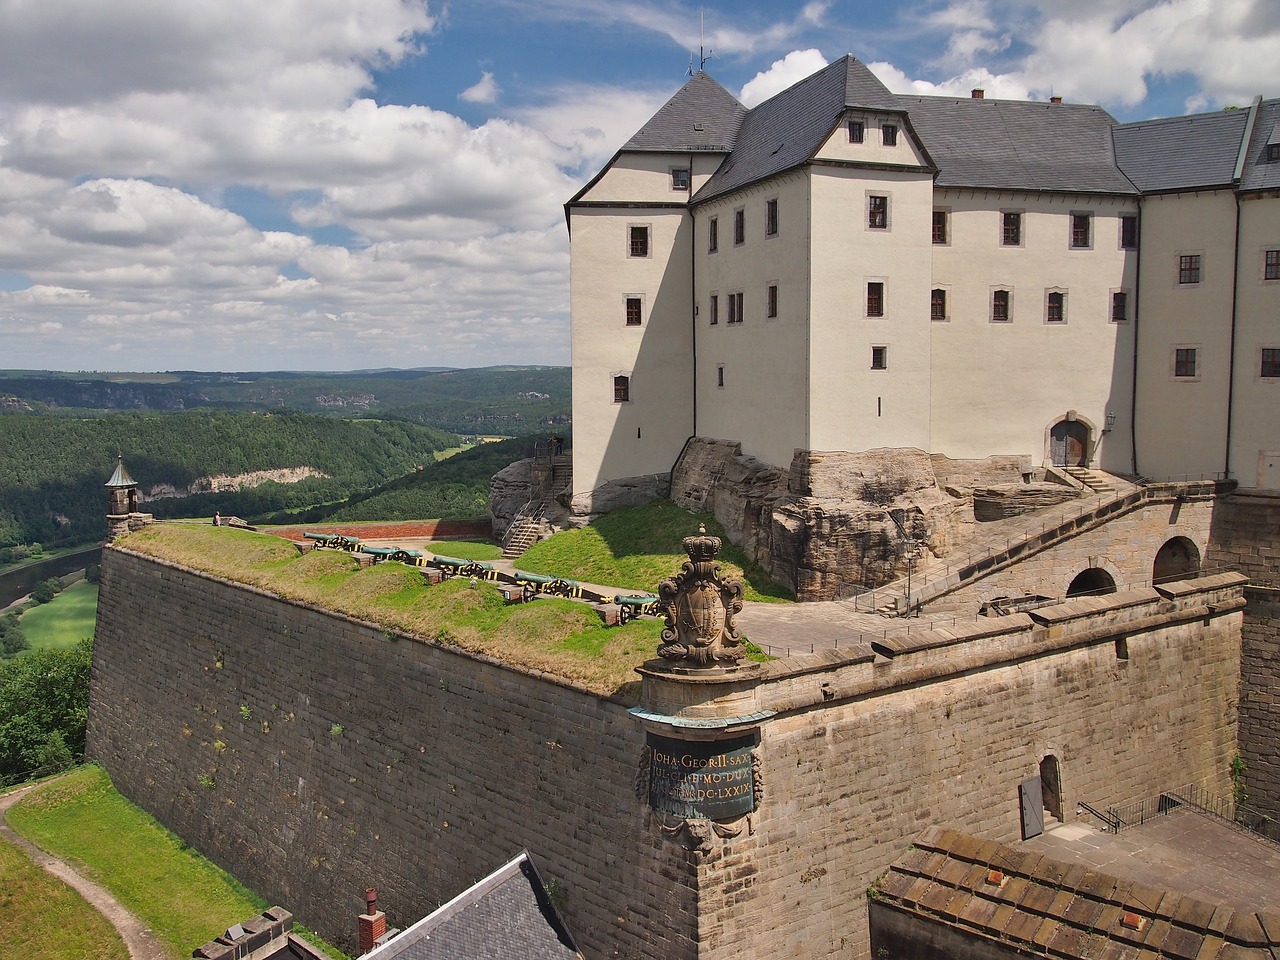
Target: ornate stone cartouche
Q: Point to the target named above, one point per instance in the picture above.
(700, 606)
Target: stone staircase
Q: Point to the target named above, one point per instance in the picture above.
(1020, 537)
(525, 529)
(1095, 480)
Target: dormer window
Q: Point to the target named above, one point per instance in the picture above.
(1273, 152)
(680, 179)
(857, 131)
(889, 134)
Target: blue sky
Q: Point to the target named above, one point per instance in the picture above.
(342, 184)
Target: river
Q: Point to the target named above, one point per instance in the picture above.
(18, 583)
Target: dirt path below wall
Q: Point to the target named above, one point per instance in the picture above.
(141, 943)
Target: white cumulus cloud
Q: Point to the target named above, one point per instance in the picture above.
(792, 68)
(486, 90)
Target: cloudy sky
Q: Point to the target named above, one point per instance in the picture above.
(343, 184)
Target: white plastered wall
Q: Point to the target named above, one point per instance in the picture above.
(873, 149)
(851, 406)
(1181, 422)
(763, 402)
(997, 388)
(1255, 419)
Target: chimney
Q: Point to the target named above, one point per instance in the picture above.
(977, 93)
(373, 922)
(1055, 99)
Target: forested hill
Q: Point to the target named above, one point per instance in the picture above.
(505, 401)
(52, 470)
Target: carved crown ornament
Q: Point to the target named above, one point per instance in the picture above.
(700, 605)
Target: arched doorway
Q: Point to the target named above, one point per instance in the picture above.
(1069, 444)
(1092, 582)
(1178, 559)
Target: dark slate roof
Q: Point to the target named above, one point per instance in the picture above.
(700, 101)
(785, 130)
(1180, 153)
(506, 916)
(121, 478)
(1028, 902)
(1017, 145)
(1258, 173)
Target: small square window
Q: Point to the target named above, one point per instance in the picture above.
(1055, 307)
(772, 301)
(1270, 363)
(771, 218)
(739, 227)
(1273, 152)
(939, 226)
(1271, 265)
(621, 389)
(999, 306)
(639, 244)
(879, 358)
(1081, 231)
(877, 212)
(1184, 362)
(715, 309)
(1189, 268)
(857, 131)
(1011, 228)
(635, 311)
(889, 134)
(713, 235)
(938, 304)
(1119, 307)
(680, 179)
(875, 298)
(1129, 231)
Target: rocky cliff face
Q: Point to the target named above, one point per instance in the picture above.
(241, 481)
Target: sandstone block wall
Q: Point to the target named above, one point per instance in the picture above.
(313, 756)
(944, 736)
(1260, 699)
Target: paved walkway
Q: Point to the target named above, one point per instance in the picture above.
(1201, 856)
(141, 943)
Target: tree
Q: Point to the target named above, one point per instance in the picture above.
(46, 590)
(41, 694)
(92, 573)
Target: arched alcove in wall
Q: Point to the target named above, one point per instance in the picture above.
(1051, 785)
(1092, 582)
(1177, 559)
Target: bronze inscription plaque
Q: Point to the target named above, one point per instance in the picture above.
(701, 779)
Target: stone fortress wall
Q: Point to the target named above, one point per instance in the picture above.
(313, 756)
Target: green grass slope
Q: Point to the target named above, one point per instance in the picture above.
(67, 619)
(637, 548)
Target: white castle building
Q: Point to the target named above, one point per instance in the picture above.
(843, 268)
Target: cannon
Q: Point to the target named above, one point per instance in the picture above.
(337, 541)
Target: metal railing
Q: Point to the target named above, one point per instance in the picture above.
(1196, 797)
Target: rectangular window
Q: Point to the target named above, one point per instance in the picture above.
(1055, 308)
(713, 235)
(715, 309)
(772, 300)
(1081, 230)
(634, 311)
(680, 179)
(999, 306)
(938, 304)
(735, 308)
(1270, 362)
(639, 245)
(1184, 361)
(1129, 231)
(1119, 307)
(621, 389)
(720, 375)
(739, 227)
(889, 134)
(1189, 268)
(879, 358)
(1271, 265)
(771, 218)
(939, 226)
(875, 299)
(1011, 229)
(877, 212)
(857, 131)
